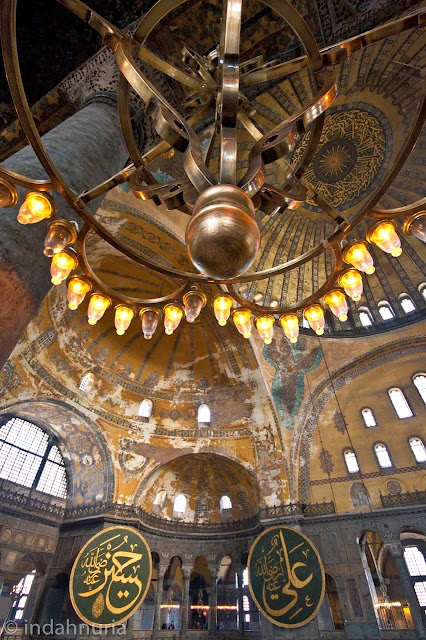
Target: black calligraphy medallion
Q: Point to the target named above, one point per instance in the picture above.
(286, 576)
(111, 576)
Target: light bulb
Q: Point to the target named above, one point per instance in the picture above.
(172, 316)
(122, 318)
(150, 318)
(222, 305)
(98, 304)
(351, 281)
(336, 302)
(60, 233)
(8, 194)
(265, 326)
(193, 302)
(36, 206)
(415, 225)
(62, 264)
(78, 286)
(242, 320)
(357, 254)
(315, 316)
(383, 235)
(290, 325)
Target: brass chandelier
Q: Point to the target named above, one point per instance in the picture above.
(222, 236)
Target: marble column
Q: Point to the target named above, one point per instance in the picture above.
(186, 571)
(407, 585)
(87, 149)
(158, 599)
(213, 603)
(241, 625)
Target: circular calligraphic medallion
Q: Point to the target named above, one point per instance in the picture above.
(286, 576)
(111, 576)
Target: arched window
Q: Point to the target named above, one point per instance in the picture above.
(203, 414)
(416, 565)
(386, 310)
(242, 500)
(368, 417)
(382, 455)
(245, 577)
(359, 496)
(145, 409)
(422, 289)
(160, 498)
(246, 608)
(406, 303)
(179, 504)
(420, 383)
(87, 382)
(225, 503)
(365, 316)
(29, 457)
(418, 449)
(351, 461)
(20, 594)
(400, 403)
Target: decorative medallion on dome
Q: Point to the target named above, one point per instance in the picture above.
(353, 153)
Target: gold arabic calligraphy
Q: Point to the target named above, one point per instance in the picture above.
(280, 576)
(108, 564)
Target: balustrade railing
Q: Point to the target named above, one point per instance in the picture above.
(410, 498)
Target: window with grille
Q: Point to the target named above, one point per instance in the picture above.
(20, 592)
(246, 607)
(87, 382)
(386, 310)
(242, 500)
(145, 408)
(418, 449)
(351, 461)
(225, 503)
(179, 504)
(416, 565)
(406, 303)
(245, 577)
(420, 383)
(400, 403)
(382, 455)
(29, 458)
(46, 339)
(365, 317)
(422, 289)
(368, 417)
(200, 508)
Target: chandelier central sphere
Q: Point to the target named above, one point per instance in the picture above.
(222, 236)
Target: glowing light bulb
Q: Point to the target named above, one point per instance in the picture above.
(150, 318)
(78, 286)
(172, 316)
(357, 254)
(62, 264)
(222, 305)
(265, 326)
(98, 304)
(193, 302)
(290, 325)
(351, 281)
(336, 302)
(315, 316)
(242, 320)
(60, 233)
(36, 206)
(383, 235)
(122, 318)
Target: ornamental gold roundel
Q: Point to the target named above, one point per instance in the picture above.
(286, 576)
(110, 577)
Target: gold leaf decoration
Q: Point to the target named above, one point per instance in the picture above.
(98, 606)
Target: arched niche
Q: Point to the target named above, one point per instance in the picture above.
(85, 453)
(199, 586)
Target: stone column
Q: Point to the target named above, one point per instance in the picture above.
(213, 603)
(404, 575)
(87, 149)
(158, 599)
(186, 571)
(241, 625)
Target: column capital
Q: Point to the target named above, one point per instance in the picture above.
(395, 547)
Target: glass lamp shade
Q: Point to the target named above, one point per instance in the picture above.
(351, 281)
(78, 286)
(149, 317)
(336, 302)
(383, 234)
(36, 207)
(315, 316)
(62, 264)
(172, 316)
(193, 302)
(122, 318)
(290, 325)
(222, 305)
(415, 225)
(60, 233)
(265, 326)
(242, 320)
(357, 254)
(98, 304)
